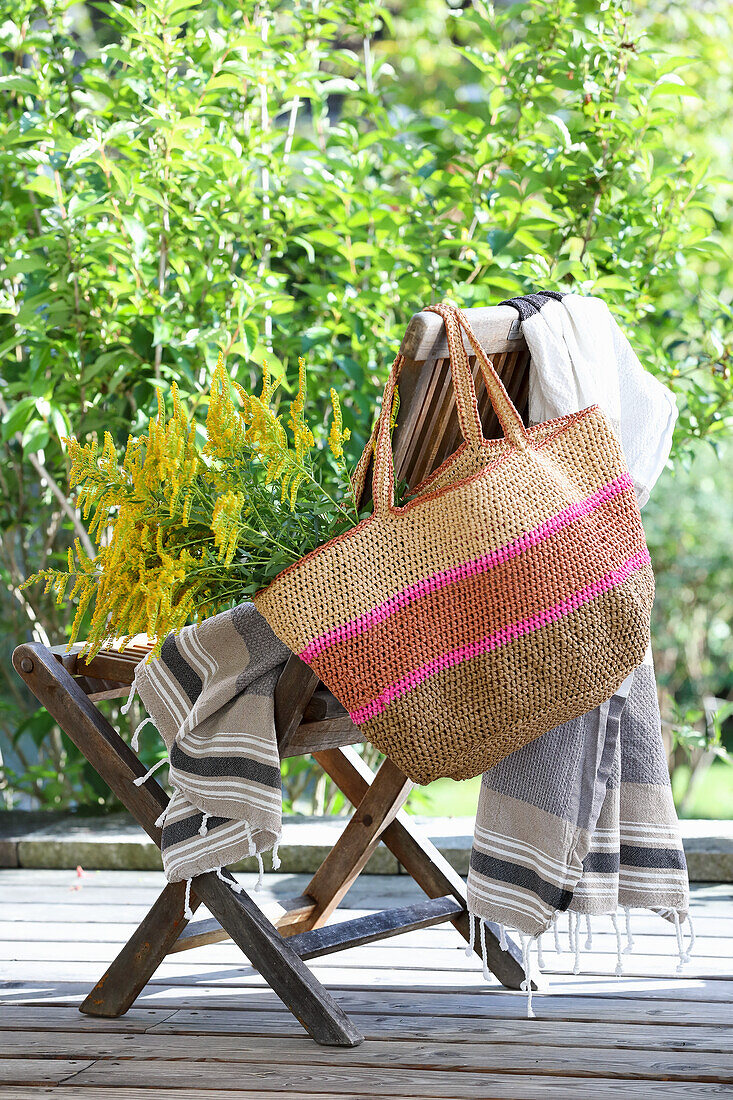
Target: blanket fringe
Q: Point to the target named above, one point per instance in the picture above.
(576, 940)
(135, 740)
(219, 871)
(231, 882)
(574, 921)
(588, 945)
(629, 938)
(619, 954)
(526, 942)
(691, 944)
(482, 936)
(151, 771)
(684, 952)
(556, 933)
(128, 703)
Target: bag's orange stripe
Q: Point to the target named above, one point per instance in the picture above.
(364, 664)
(535, 537)
(499, 638)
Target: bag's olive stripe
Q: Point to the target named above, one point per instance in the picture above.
(553, 674)
(501, 637)
(365, 665)
(434, 583)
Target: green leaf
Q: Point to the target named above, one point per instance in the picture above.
(43, 185)
(673, 85)
(17, 417)
(35, 436)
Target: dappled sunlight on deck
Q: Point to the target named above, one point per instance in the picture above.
(207, 1025)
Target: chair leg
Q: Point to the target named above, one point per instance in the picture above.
(83, 722)
(282, 969)
(119, 987)
(118, 766)
(244, 923)
(422, 860)
(381, 802)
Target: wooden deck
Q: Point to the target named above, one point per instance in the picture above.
(206, 1028)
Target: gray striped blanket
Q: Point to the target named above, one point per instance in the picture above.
(211, 695)
(581, 820)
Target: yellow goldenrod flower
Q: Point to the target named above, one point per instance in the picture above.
(337, 436)
(302, 435)
(183, 528)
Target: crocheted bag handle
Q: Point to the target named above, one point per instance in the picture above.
(383, 475)
(358, 478)
(469, 417)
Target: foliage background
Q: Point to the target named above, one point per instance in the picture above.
(299, 177)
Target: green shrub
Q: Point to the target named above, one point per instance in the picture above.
(284, 179)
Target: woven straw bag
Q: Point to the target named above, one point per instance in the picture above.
(511, 593)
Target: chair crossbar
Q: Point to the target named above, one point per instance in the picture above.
(338, 937)
(374, 926)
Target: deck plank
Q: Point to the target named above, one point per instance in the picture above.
(351, 1080)
(407, 953)
(713, 1037)
(713, 936)
(393, 980)
(493, 1088)
(488, 1005)
(38, 1071)
(600, 961)
(583, 1060)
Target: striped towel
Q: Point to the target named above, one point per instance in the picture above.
(211, 695)
(582, 820)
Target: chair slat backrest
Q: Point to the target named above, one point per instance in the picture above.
(427, 432)
(107, 668)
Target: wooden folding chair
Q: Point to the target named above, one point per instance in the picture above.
(308, 720)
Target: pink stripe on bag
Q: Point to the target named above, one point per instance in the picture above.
(501, 637)
(468, 569)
